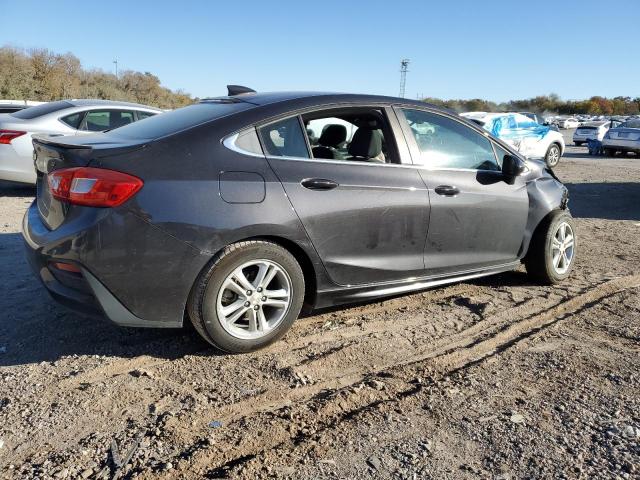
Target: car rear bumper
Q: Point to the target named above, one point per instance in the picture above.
(125, 297)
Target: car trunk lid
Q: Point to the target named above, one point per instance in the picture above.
(54, 153)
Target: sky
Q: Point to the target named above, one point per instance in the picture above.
(496, 50)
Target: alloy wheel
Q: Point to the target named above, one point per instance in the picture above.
(553, 157)
(254, 299)
(562, 248)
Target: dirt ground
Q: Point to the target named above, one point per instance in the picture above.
(495, 378)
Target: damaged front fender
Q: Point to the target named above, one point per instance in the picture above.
(546, 194)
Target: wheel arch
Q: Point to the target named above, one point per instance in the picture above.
(544, 199)
(306, 264)
(304, 259)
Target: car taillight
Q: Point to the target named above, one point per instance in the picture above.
(7, 135)
(93, 187)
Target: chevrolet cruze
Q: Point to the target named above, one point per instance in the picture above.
(237, 212)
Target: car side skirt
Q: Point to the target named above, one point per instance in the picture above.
(354, 294)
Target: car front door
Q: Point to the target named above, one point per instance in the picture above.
(365, 211)
(478, 217)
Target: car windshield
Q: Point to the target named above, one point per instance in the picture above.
(631, 124)
(180, 119)
(39, 110)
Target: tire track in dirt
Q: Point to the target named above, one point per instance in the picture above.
(448, 359)
(301, 332)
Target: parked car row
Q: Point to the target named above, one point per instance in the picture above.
(576, 121)
(528, 137)
(65, 117)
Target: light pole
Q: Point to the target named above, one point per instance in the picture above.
(404, 68)
(116, 63)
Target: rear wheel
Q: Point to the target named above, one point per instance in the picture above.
(553, 155)
(610, 152)
(552, 249)
(578, 144)
(248, 297)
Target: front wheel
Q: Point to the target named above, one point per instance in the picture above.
(553, 155)
(552, 250)
(248, 297)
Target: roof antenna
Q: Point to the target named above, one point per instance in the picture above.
(238, 90)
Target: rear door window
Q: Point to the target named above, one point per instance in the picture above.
(101, 120)
(284, 138)
(355, 134)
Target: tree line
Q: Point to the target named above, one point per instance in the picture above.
(547, 104)
(41, 75)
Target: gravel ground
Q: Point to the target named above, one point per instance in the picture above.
(496, 378)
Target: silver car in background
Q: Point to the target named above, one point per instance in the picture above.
(624, 138)
(590, 131)
(65, 117)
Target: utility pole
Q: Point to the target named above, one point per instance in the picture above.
(404, 64)
(116, 63)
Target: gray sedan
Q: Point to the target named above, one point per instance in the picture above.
(65, 117)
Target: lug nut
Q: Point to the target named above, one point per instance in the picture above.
(259, 289)
(246, 304)
(249, 292)
(256, 307)
(264, 299)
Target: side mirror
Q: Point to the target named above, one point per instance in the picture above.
(512, 166)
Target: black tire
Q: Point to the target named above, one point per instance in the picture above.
(202, 301)
(551, 159)
(578, 144)
(610, 152)
(539, 258)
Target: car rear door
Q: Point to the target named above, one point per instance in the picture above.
(478, 217)
(367, 221)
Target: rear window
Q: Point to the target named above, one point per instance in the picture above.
(39, 110)
(631, 124)
(181, 119)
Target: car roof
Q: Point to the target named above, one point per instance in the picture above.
(269, 98)
(87, 102)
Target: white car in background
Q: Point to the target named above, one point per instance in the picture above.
(623, 138)
(590, 131)
(529, 138)
(568, 123)
(65, 117)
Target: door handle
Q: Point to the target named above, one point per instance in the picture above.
(447, 190)
(318, 184)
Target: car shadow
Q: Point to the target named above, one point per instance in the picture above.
(609, 201)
